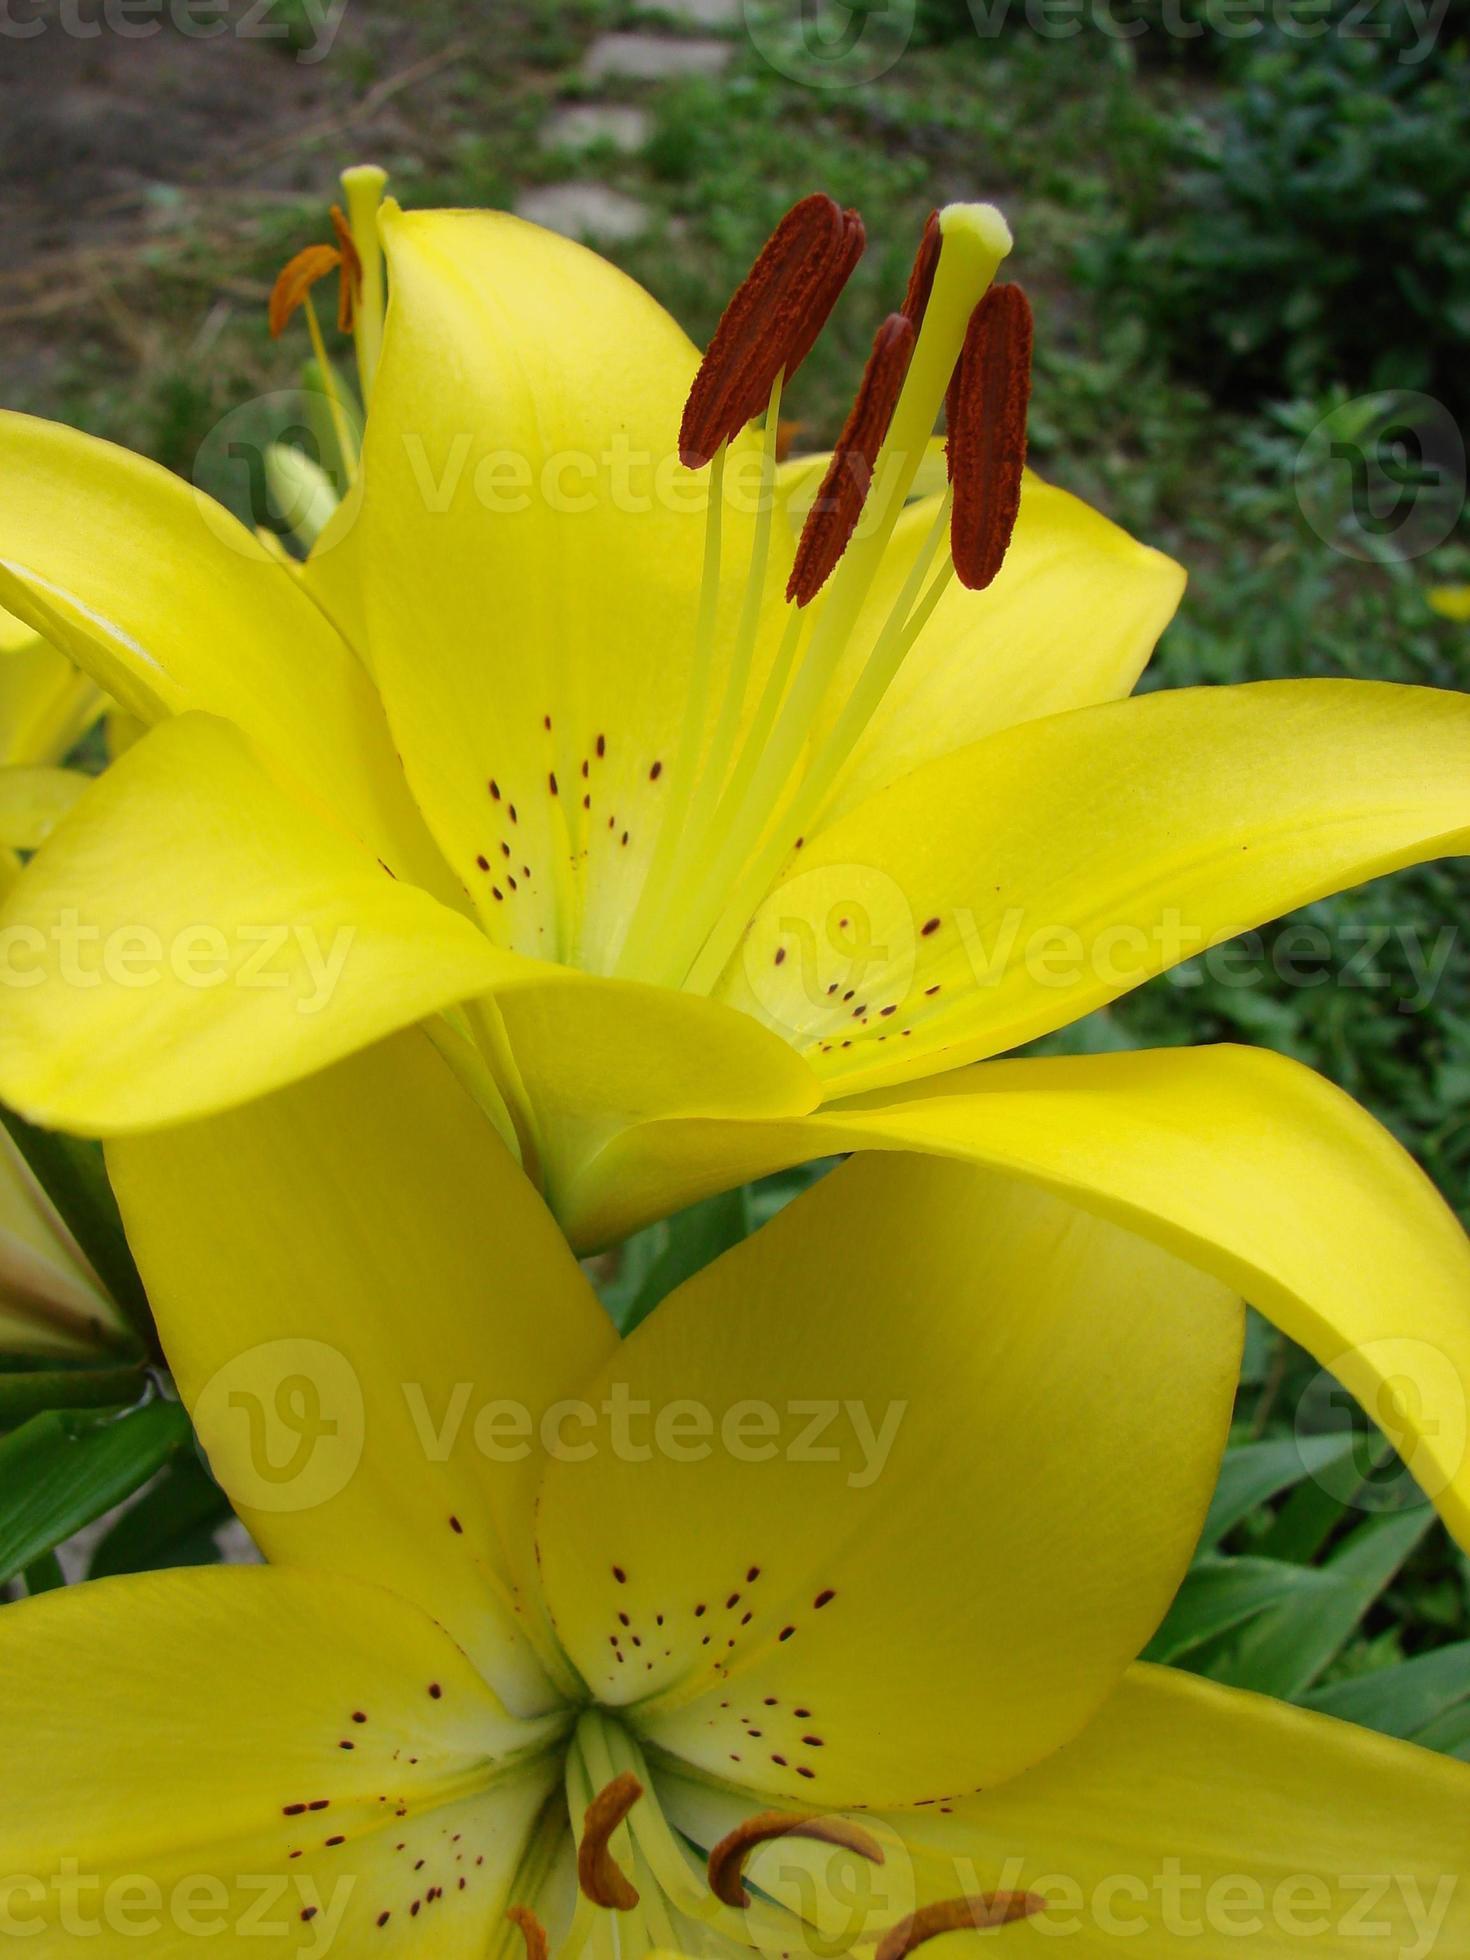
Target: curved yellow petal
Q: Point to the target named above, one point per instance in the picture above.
(594, 1057)
(1238, 1160)
(833, 1523)
(194, 934)
(170, 604)
(1191, 1817)
(240, 1756)
(1071, 620)
(14, 633)
(360, 1251)
(1023, 881)
(33, 800)
(531, 552)
(46, 703)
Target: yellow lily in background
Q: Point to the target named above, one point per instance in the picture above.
(691, 882)
(46, 706)
(679, 1643)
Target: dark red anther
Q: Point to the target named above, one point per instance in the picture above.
(771, 323)
(834, 515)
(987, 433)
(921, 279)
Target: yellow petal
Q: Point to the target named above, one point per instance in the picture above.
(33, 801)
(1036, 875)
(1450, 602)
(14, 633)
(51, 1302)
(1191, 1817)
(366, 1237)
(531, 549)
(170, 604)
(1238, 1160)
(194, 934)
(596, 1056)
(896, 1548)
(1071, 620)
(206, 1793)
(46, 703)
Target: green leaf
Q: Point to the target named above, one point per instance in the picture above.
(171, 1524)
(72, 1173)
(690, 1240)
(61, 1470)
(26, 1393)
(1304, 1524)
(1401, 1700)
(1222, 1593)
(1288, 1647)
(1256, 1472)
(1450, 1733)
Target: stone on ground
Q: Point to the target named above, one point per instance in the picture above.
(653, 57)
(586, 125)
(586, 211)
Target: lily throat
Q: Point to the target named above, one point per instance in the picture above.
(616, 1840)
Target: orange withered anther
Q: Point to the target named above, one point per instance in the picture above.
(987, 405)
(296, 279)
(771, 323)
(349, 286)
(727, 1860)
(538, 1947)
(979, 1912)
(312, 264)
(834, 514)
(598, 1872)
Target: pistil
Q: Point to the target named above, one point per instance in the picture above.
(362, 187)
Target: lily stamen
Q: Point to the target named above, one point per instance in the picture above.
(767, 330)
(538, 1947)
(771, 323)
(727, 1860)
(292, 293)
(921, 278)
(978, 1912)
(770, 792)
(838, 504)
(987, 433)
(598, 1873)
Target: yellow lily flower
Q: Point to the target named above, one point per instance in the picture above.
(589, 1632)
(528, 745)
(46, 706)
